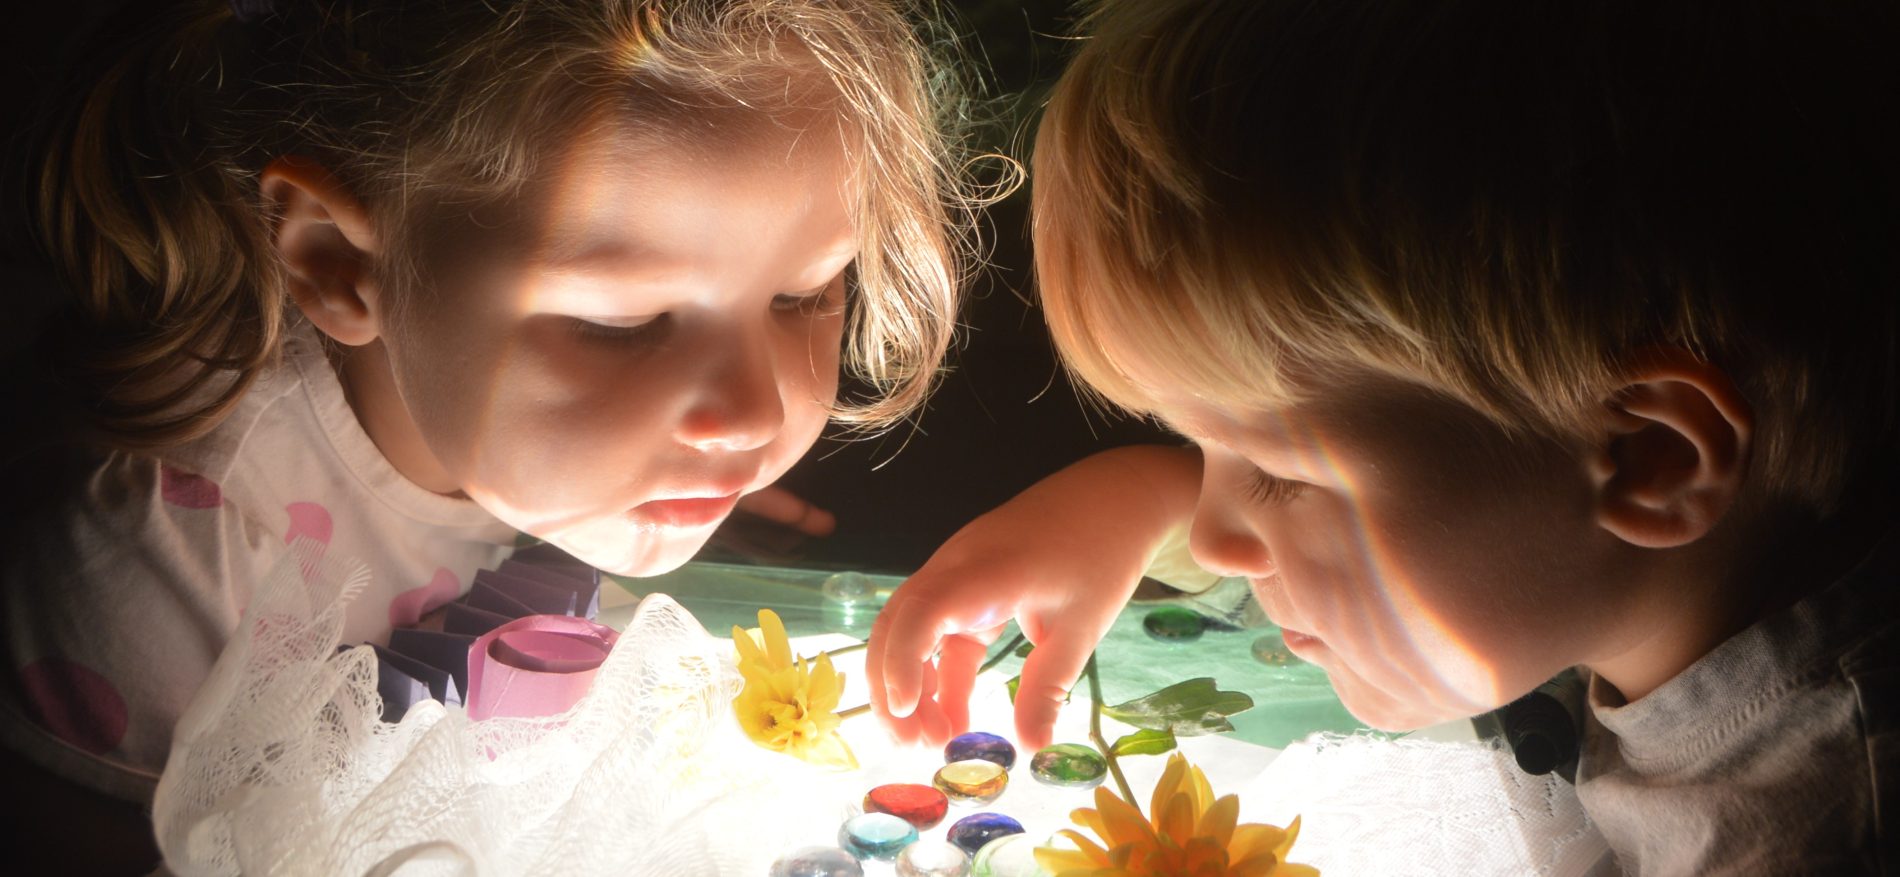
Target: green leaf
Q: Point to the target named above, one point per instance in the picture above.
(1144, 743)
(1185, 709)
(1023, 650)
(1014, 683)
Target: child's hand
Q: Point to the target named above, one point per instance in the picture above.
(1061, 559)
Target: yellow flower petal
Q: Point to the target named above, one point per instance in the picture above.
(1218, 821)
(778, 649)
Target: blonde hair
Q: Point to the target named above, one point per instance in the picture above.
(1506, 203)
(148, 191)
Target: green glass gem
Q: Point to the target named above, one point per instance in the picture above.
(1270, 649)
(1174, 624)
(1069, 765)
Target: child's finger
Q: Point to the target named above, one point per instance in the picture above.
(909, 630)
(956, 676)
(1048, 674)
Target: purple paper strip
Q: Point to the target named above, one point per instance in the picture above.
(438, 649)
(586, 590)
(467, 620)
(399, 690)
(483, 595)
(441, 682)
(543, 599)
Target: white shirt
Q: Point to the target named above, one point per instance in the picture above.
(1776, 753)
(114, 611)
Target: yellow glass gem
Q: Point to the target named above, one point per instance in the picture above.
(971, 781)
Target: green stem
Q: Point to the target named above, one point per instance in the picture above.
(1095, 733)
(846, 650)
(1008, 649)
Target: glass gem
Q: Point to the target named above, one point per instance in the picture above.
(1012, 855)
(919, 805)
(976, 830)
(1270, 649)
(817, 862)
(848, 588)
(876, 836)
(1069, 765)
(971, 781)
(933, 858)
(1174, 624)
(977, 744)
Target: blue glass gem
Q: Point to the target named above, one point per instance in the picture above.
(977, 744)
(876, 836)
(817, 862)
(976, 830)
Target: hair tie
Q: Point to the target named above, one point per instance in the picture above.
(249, 11)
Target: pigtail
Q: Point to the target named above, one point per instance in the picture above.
(154, 226)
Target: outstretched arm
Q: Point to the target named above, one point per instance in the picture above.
(1061, 559)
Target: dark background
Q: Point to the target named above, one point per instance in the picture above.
(1004, 416)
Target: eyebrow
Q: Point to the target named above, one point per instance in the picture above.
(598, 253)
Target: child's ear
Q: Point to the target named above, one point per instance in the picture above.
(325, 239)
(1673, 454)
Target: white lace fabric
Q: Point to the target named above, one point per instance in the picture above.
(283, 766)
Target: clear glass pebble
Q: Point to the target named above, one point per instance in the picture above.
(933, 858)
(817, 862)
(1012, 855)
(849, 588)
(876, 836)
(1270, 649)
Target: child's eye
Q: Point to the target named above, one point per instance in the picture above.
(623, 333)
(808, 303)
(1269, 490)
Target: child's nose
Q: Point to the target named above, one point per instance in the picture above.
(1222, 539)
(739, 407)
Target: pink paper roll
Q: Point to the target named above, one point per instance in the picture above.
(538, 665)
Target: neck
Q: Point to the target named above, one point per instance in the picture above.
(1704, 594)
(369, 385)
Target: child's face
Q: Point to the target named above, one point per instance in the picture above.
(614, 364)
(1434, 566)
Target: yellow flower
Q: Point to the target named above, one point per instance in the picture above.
(789, 705)
(1187, 834)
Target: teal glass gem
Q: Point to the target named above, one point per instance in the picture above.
(817, 862)
(1012, 855)
(976, 830)
(1069, 765)
(876, 836)
(1174, 624)
(933, 858)
(978, 744)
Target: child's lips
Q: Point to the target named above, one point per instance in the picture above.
(688, 513)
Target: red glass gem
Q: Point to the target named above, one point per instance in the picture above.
(918, 805)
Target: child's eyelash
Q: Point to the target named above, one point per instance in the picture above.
(1268, 490)
(805, 303)
(622, 335)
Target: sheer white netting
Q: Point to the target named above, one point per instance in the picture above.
(1371, 806)
(282, 764)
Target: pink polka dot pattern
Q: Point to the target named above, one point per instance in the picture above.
(75, 703)
(409, 606)
(187, 490)
(309, 520)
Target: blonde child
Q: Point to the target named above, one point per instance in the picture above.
(407, 278)
(1511, 337)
